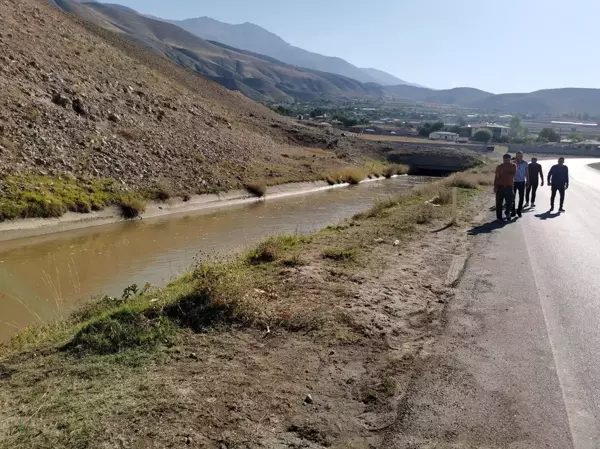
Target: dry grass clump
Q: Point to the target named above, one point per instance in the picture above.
(395, 169)
(256, 189)
(425, 213)
(462, 181)
(131, 207)
(470, 180)
(350, 175)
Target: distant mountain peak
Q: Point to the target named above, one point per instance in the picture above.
(251, 37)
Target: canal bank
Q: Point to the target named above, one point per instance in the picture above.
(44, 276)
(18, 229)
(302, 341)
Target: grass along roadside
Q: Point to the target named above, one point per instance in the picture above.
(228, 354)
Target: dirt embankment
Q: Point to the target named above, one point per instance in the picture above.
(87, 116)
(305, 341)
(81, 100)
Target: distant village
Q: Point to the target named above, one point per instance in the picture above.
(410, 120)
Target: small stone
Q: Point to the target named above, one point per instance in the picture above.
(309, 399)
(114, 118)
(194, 356)
(379, 240)
(396, 242)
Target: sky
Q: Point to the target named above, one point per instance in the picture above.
(498, 46)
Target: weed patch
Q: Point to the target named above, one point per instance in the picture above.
(350, 175)
(24, 196)
(425, 213)
(272, 249)
(395, 169)
(340, 255)
(256, 189)
(121, 329)
(131, 207)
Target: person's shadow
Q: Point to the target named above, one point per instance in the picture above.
(548, 215)
(488, 228)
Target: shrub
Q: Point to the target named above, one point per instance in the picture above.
(131, 207)
(256, 189)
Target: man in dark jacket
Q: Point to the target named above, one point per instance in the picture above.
(535, 177)
(558, 180)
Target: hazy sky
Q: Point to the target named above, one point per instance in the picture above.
(499, 46)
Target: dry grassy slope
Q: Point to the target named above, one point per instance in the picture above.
(142, 118)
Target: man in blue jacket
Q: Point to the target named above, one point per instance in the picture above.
(558, 180)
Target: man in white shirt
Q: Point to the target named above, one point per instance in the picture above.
(520, 183)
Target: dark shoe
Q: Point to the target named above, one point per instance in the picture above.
(561, 210)
(520, 214)
(532, 205)
(514, 214)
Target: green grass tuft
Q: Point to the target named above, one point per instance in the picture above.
(121, 329)
(272, 249)
(27, 196)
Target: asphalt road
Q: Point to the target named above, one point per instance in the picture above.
(519, 365)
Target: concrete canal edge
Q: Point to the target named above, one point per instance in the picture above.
(18, 229)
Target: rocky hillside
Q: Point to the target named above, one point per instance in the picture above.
(260, 77)
(78, 99)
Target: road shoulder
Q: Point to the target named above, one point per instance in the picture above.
(491, 380)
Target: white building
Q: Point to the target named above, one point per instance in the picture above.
(443, 135)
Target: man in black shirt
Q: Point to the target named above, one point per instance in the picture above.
(558, 179)
(536, 175)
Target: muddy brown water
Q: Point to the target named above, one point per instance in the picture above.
(42, 277)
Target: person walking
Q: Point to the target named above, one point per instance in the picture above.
(520, 184)
(558, 180)
(503, 186)
(535, 176)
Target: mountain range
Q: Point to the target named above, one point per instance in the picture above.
(251, 37)
(268, 69)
